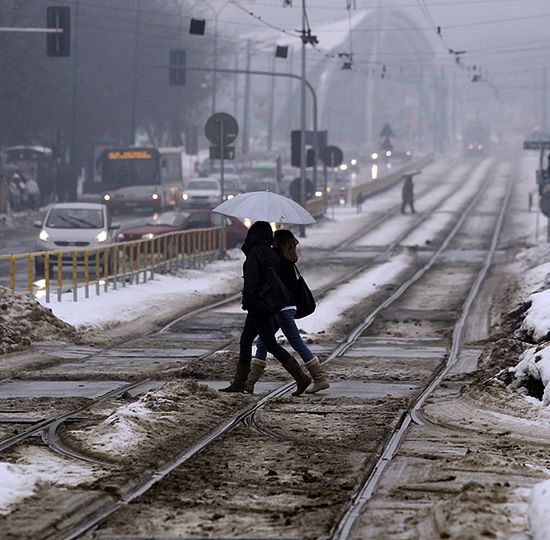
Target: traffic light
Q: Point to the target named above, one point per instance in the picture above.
(58, 43)
(295, 150)
(176, 70)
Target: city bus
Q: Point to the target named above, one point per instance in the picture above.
(140, 178)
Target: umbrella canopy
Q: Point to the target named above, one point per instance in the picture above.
(265, 206)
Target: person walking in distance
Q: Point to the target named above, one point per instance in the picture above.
(260, 256)
(285, 243)
(407, 194)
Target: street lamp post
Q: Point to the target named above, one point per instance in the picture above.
(215, 76)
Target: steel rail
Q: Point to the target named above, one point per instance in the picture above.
(247, 415)
(346, 524)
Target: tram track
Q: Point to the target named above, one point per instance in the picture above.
(249, 415)
(344, 346)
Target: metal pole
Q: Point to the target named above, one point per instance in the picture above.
(222, 150)
(246, 112)
(271, 106)
(290, 100)
(73, 188)
(132, 133)
(544, 125)
(215, 80)
(309, 86)
(303, 118)
(236, 88)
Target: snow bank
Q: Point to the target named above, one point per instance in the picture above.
(537, 318)
(534, 364)
(14, 485)
(23, 320)
(539, 511)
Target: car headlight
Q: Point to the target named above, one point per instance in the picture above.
(44, 236)
(102, 236)
(120, 236)
(318, 193)
(229, 197)
(148, 236)
(184, 196)
(106, 197)
(155, 196)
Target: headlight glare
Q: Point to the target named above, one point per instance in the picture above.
(44, 236)
(101, 237)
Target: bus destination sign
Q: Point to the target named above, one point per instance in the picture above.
(129, 154)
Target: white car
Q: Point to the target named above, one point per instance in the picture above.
(201, 192)
(69, 226)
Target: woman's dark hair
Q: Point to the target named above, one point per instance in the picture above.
(285, 243)
(261, 228)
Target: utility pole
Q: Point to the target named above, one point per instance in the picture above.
(246, 111)
(133, 112)
(290, 85)
(303, 118)
(420, 118)
(271, 106)
(236, 87)
(543, 108)
(73, 155)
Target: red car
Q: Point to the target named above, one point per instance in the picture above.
(185, 220)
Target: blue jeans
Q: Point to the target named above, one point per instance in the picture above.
(285, 320)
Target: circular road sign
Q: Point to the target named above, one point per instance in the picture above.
(332, 156)
(221, 123)
(294, 189)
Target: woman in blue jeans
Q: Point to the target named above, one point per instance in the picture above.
(284, 242)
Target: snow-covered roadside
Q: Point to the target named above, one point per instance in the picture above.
(539, 511)
(35, 467)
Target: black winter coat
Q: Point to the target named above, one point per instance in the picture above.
(259, 257)
(289, 278)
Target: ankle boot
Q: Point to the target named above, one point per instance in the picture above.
(241, 373)
(302, 380)
(320, 379)
(257, 367)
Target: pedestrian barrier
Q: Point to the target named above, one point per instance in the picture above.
(360, 192)
(113, 265)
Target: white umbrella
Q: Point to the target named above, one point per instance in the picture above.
(265, 206)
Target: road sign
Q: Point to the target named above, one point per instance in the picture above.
(294, 189)
(386, 131)
(221, 126)
(386, 145)
(216, 152)
(537, 141)
(332, 156)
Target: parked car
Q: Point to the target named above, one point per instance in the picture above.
(201, 192)
(74, 225)
(265, 184)
(184, 220)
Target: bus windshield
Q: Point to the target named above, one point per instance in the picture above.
(129, 167)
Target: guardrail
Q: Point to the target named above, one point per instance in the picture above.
(362, 191)
(112, 265)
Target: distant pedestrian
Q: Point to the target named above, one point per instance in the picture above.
(15, 195)
(407, 194)
(260, 256)
(33, 193)
(285, 243)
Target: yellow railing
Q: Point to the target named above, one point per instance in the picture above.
(112, 265)
(359, 192)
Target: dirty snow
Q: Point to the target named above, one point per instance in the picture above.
(534, 364)
(36, 466)
(537, 318)
(539, 511)
(23, 320)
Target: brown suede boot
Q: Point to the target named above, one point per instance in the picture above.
(257, 367)
(320, 379)
(302, 380)
(239, 380)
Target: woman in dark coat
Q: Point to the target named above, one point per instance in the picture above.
(285, 243)
(259, 257)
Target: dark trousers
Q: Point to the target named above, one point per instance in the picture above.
(409, 203)
(260, 325)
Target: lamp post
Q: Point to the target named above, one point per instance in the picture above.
(215, 76)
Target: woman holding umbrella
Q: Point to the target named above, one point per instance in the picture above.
(260, 256)
(285, 243)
